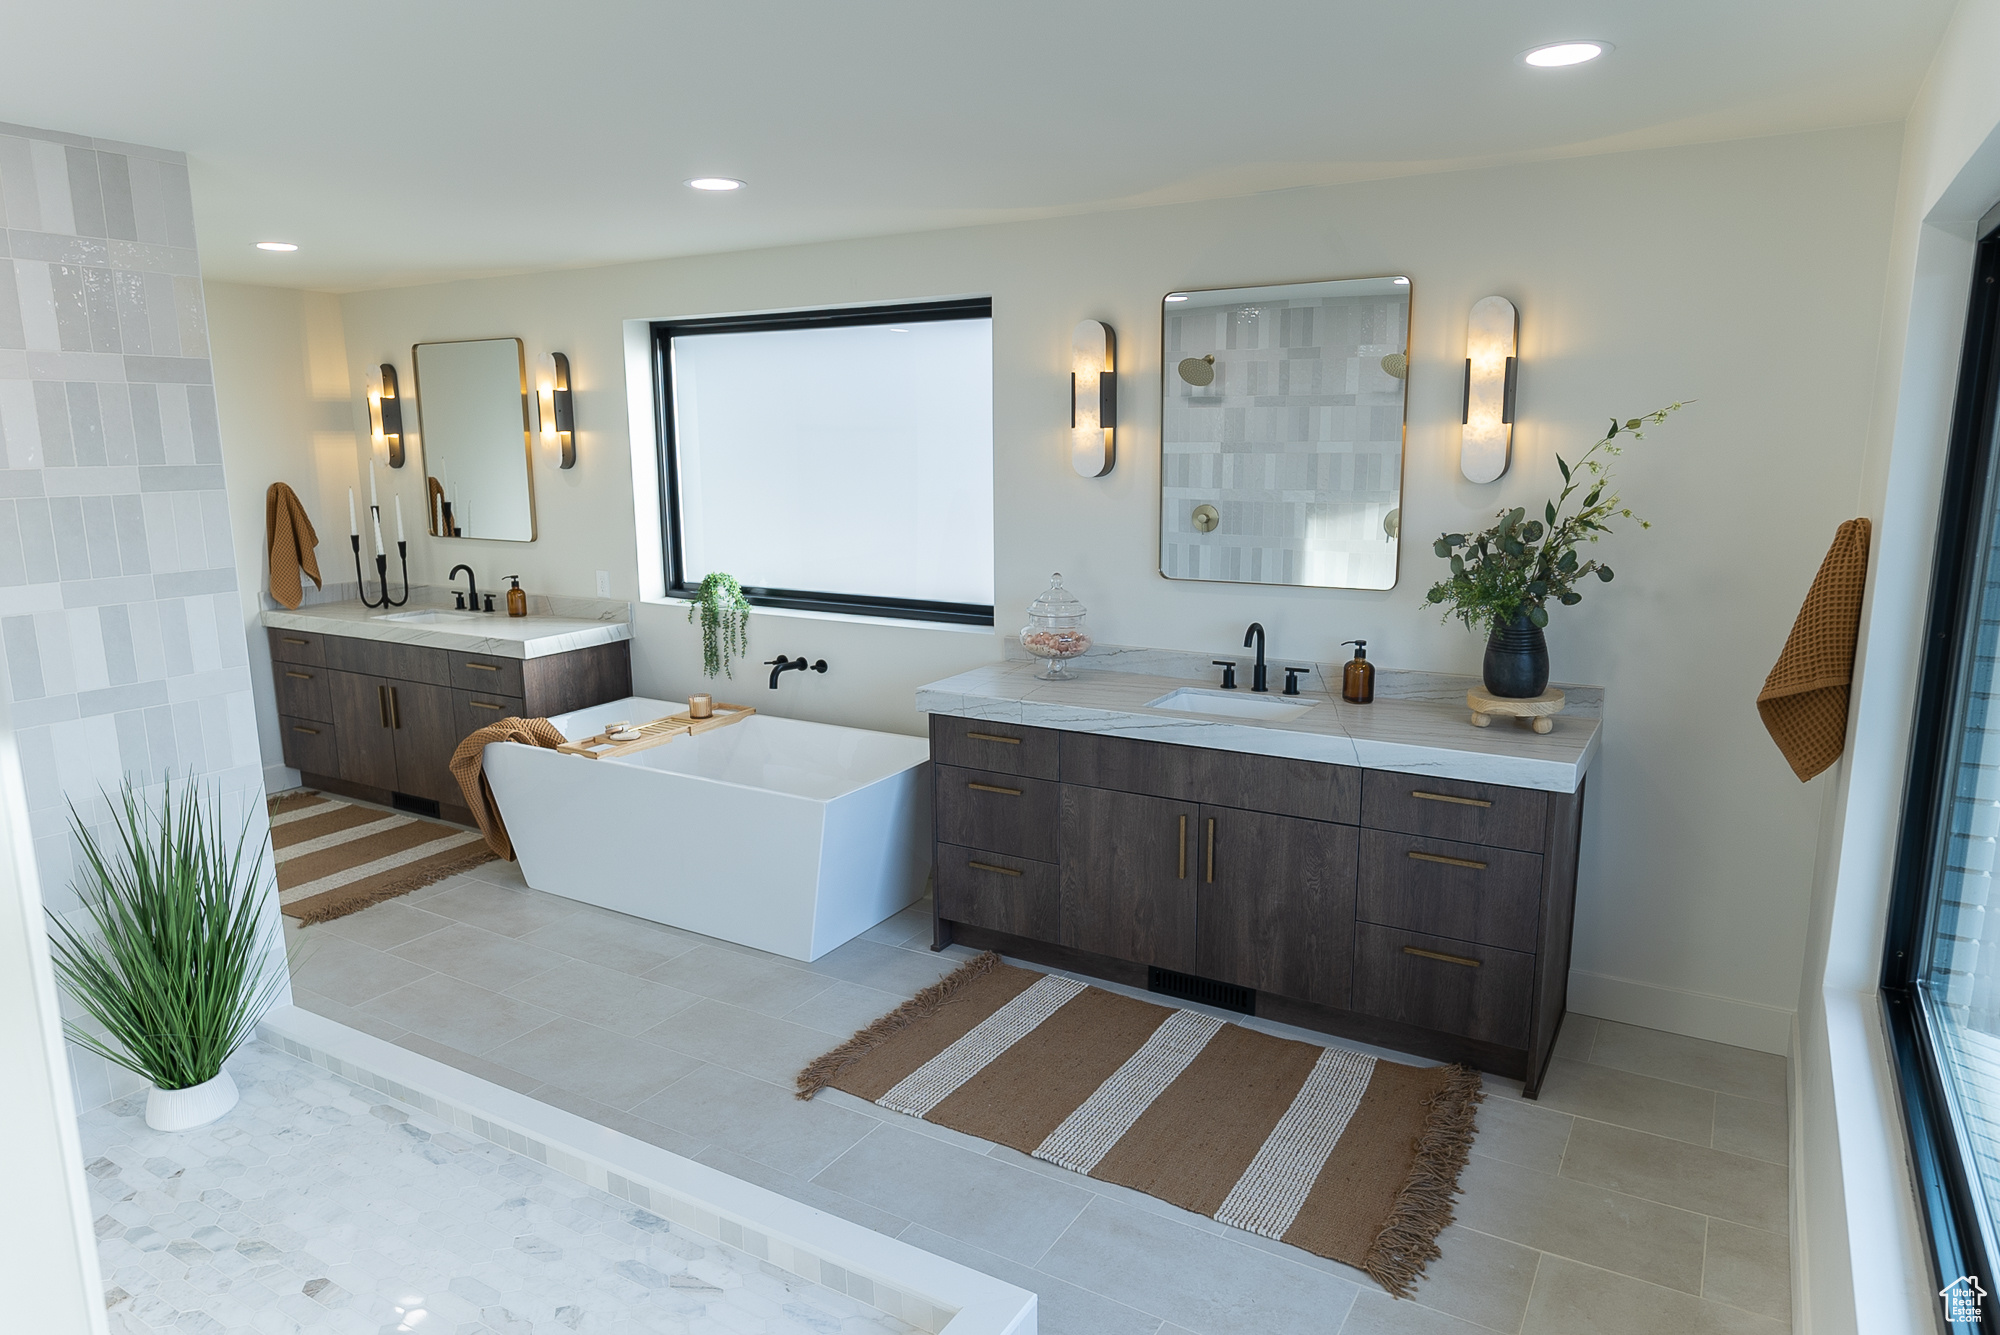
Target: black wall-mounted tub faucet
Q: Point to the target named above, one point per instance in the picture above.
(783, 664)
(1258, 679)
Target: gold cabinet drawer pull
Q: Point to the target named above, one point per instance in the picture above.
(1183, 848)
(987, 866)
(993, 737)
(993, 788)
(481, 704)
(1211, 850)
(382, 703)
(310, 732)
(395, 709)
(484, 667)
(1449, 862)
(302, 676)
(291, 640)
(1448, 959)
(1447, 797)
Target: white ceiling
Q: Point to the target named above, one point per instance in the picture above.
(398, 142)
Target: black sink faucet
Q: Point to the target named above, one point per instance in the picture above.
(1255, 634)
(472, 583)
(783, 664)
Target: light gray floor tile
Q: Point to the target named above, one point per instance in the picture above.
(1523, 1132)
(306, 999)
(610, 940)
(346, 971)
(844, 1008)
(500, 1075)
(499, 909)
(482, 958)
(761, 984)
(756, 1118)
(1062, 1309)
(871, 964)
(452, 1011)
(903, 926)
(613, 1069)
(770, 1049)
(506, 874)
(1654, 1242)
(1690, 1061)
(603, 997)
(384, 925)
(1575, 1299)
(1749, 1268)
(842, 1099)
(1622, 1098)
(1747, 1126)
(1574, 1039)
(1479, 1278)
(629, 1124)
(956, 1192)
(799, 1189)
(1376, 1313)
(1691, 1177)
(1205, 1283)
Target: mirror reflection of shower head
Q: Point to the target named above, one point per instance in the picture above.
(1198, 370)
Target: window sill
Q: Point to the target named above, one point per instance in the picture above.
(849, 618)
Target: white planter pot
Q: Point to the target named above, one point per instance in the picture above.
(186, 1109)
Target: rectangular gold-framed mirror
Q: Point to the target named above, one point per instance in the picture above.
(1282, 412)
(474, 429)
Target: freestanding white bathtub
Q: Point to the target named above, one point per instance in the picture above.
(788, 836)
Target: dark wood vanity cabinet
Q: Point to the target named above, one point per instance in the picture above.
(1427, 915)
(380, 721)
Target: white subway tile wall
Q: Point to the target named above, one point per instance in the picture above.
(121, 638)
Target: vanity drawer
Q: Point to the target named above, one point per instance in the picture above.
(473, 710)
(1434, 982)
(1006, 813)
(379, 658)
(1466, 891)
(297, 646)
(1470, 813)
(999, 891)
(310, 745)
(1004, 748)
(487, 672)
(1273, 784)
(302, 691)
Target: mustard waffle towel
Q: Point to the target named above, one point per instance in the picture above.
(1804, 700)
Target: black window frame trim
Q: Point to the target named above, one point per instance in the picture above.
(1946, 1191)
(802, 600)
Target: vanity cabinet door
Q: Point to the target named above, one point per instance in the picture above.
(366, 744)
(1128, 876)
(1275, 903)
(424, 722)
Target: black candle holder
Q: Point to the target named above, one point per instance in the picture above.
(381, 567)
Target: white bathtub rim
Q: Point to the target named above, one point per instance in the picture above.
(981, 1304)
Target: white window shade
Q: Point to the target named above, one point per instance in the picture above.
(854, 460)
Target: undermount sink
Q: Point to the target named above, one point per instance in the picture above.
(425, 615)
(1230, 704)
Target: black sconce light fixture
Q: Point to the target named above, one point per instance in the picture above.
(557, 410)
(385, 416)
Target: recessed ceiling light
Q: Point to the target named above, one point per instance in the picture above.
(276, 245)
(716, 183)
(1565, 53)
(1176, 296)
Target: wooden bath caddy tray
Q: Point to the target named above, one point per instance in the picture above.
(657, 733)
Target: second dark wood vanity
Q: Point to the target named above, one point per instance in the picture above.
(1423, 914)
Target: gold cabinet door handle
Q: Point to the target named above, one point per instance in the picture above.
(1211, 850)
(382, 703)
(987, 866)
(395, 709)
(1448, 959)
(290, 640)
(994, 788)
(302, 676)
(1447, 797)
(1449, 862)
(481, 704)
(310, 732)
(484, 667)
(1182, 847)
(993, 737)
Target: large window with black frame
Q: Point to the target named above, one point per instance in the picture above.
(1941, 972)
(836, 460)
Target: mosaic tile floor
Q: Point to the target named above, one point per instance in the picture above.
(316, 1207)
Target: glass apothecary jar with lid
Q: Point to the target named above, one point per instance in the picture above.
(1054, 632)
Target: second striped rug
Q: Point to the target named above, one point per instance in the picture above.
(336, 858)
(1333, 1151)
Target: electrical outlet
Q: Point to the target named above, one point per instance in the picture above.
(604, 583)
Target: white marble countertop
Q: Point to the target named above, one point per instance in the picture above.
(438, 626)
(1425, 728)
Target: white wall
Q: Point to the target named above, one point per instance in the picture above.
(1745, 275)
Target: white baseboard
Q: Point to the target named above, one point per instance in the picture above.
(281, 778)
(1743, 1024)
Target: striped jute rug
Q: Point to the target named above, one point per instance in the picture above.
(1332, 1151)
(335, 858)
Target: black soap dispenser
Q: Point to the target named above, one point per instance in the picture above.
(1357, 679)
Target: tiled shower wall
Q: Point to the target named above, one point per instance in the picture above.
(120, 629)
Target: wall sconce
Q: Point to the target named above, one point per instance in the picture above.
(1093, 398)
(1491, 370)
(558, 412)
(385, 416)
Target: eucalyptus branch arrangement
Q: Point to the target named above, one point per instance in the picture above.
(725, 622)
(1515, 567)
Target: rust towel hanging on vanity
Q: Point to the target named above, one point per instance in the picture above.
(468, 766)
(289, 538)
(1804, 700)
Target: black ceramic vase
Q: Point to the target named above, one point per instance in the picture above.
(1517, 660)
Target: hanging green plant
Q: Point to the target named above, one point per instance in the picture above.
(725, 622)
